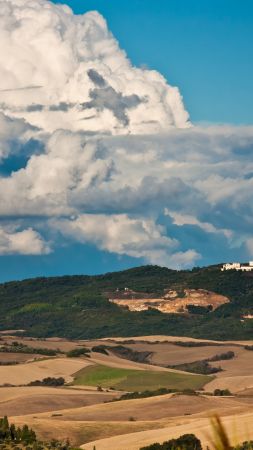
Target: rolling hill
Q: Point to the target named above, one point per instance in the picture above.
(78, 306)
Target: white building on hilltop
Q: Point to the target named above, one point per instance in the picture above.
(238, 267)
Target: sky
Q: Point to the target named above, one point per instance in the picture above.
(126, 135)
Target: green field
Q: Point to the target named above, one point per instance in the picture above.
(137, 380)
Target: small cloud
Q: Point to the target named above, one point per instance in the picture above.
(25, 242)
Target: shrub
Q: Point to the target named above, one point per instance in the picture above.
(100, 349)
(195, 344)
(222, 356)
(145, 394)
(185, 442)
(195, 309)
(18, 347)
(49, 381)
(202, 367)
(248, 347)
(221, 392)
(78, 351)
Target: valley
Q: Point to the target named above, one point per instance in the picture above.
(88, 410)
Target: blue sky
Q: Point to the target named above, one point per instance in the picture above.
(204, 47)
(100, 168)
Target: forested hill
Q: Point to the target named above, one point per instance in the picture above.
(78, 306)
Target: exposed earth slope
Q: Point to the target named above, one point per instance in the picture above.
(171, 301)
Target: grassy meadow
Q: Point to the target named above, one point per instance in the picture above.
(137, 380)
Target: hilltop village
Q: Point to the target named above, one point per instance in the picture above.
(238, 266)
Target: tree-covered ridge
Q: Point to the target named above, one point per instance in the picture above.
(78, 306)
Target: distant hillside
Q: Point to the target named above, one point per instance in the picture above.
(78, 306)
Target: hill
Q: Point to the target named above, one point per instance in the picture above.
(78, 306)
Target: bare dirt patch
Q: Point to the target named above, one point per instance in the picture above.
(172, 302)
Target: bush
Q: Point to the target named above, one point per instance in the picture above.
(100, 349)
(195, 344)
(202, 367)
(248, 347)
(78, 351)
(144, 394)
(132, 355)
(195, 309)
(245, 446)
(221, 392)
(49, 381)
(222, 356)
(185, 442)
(18, 347)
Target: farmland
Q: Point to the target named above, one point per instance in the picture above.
(137, 380)
(88, 409)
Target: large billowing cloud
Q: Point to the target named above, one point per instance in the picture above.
(115, 161)
(71, 68)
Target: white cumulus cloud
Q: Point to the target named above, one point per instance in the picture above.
(112, 147)
(24, 242)
(71, 68)
(123, 235)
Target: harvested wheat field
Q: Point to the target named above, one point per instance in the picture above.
(55, 367)
(235, 384)
(89, 423)
(239, 429)
(169, 354)
(154, 408)
(79, 432)
(112, 360)
(53, 343)
(87, 415)
(17, 357)
(19, 401)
